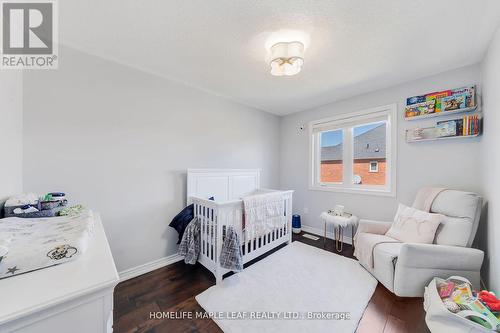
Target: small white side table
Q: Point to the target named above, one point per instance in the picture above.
(339, 223)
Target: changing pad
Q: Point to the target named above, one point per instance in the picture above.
(42, 242)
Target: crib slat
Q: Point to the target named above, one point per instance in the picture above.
(197, 215)
(215, 235)
(212, 240)
(204, 223)
(212, 236)
(247, 249)
(203, 218)
(201, 226)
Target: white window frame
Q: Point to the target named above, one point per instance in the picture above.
(376, 167)
(346, 122)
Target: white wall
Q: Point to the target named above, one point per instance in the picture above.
(452, 163)
(119, 141)
(489, 231)
(11, 137)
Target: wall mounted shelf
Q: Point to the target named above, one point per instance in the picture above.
(411, 140)
(441, 114)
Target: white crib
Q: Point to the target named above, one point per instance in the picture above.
(227, 186)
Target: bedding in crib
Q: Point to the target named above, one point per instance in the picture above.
(264, 211)
(42, 242)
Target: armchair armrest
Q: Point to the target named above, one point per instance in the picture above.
(373, 227)
(442, 257)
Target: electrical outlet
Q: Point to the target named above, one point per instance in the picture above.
(306, 210)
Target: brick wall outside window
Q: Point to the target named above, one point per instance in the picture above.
(331, 171)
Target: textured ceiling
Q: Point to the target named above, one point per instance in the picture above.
(355, 46)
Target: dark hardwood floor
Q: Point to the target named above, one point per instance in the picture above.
(173, 288)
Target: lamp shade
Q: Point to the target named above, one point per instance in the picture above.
(287, 58)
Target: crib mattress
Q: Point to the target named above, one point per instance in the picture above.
(42, 242)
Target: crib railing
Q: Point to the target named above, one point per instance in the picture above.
(216, 216)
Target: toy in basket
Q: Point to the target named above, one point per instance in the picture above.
(452, 305)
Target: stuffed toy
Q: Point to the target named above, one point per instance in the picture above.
(490, 300)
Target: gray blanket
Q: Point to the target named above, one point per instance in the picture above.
(190, 243)
(231, 256)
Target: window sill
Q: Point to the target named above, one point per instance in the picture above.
(353, 190)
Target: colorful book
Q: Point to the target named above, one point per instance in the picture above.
(469, 91)
(471, 125)
(446, 128)
(438, 96)
(460, 127)
(415, 100)
(446, 289)
(420, 109)
(454, 102)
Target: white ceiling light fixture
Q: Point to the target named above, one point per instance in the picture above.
(286, 58)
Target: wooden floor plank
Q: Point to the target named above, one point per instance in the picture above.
(137, 320)
(377, 312)
(191, 325)
(173, 288)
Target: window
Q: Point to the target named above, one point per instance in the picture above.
(354, 152)
(331, 143)
(374, 166)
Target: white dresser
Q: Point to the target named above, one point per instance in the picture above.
(74, 297)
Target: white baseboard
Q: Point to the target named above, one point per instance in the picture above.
(329, 234)
(148, 267)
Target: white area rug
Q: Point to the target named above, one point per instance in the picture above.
(296, 281)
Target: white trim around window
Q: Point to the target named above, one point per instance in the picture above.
(346, 122)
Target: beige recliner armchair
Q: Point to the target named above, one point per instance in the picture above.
(406, 268)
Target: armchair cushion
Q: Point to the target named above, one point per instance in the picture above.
(463, 210)
(454, 231)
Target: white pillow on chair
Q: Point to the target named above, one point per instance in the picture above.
(414, 226)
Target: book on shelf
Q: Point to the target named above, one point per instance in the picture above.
(420, 109)
(471, 125)
(449, 128)
(441, 101)
(454, 102)
(467, 125)
(470, 92)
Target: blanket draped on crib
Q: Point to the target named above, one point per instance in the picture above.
(263, 213)
(190, 243)
(231, 256)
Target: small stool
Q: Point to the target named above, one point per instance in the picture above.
(339, 222)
